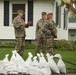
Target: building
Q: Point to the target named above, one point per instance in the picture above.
(32, 9)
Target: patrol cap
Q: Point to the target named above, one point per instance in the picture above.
(43, 13)
(50, 14)
(20, 11)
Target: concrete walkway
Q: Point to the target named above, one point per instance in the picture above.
(64, 74)
(28, 74)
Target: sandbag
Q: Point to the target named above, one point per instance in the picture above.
(52, 64)
(61, 66)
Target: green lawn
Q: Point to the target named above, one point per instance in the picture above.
(67, 55)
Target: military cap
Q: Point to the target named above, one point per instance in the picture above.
(21, 11)
(50, 14)
(43, 13)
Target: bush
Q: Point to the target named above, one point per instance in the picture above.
(29, 46)
(63, 45)
(12, 45)
(59, 45)
(74, 45)
(72, 18)
(7, 44)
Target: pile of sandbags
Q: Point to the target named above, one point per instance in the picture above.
(37, 65)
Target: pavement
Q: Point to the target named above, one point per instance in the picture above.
(64, 74)
(52, 74)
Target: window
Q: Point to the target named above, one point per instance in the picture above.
(65, 18)
(6, 13)
(58, 15)
(26, 6)
(16, 7)
(72, 35)
(30, 11)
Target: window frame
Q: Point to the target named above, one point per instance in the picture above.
(14, 13)
(11, 11)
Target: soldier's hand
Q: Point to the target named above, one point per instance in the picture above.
(29, 23)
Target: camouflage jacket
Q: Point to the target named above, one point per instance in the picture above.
(19, 28)
(40, 28)
(52, 28)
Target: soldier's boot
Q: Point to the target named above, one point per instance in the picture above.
(51, 51)
(37, 49)
(19, 52)
(44, 50)
(44, 46)
(22, 50)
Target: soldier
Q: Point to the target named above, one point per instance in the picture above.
(40, 34)
(19, 26)
(50, 38)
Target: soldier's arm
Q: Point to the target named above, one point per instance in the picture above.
(54, 30)
(16, 24)
(37, 28)
(28, 24)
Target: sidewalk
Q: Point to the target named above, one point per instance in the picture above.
(52, 74)
(64, 74)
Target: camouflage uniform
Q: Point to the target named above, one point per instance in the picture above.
(50, 38)
(40, 36)
(19, 34)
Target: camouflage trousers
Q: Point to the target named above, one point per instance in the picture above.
(20, 44)
(40, 41)
(50, 45)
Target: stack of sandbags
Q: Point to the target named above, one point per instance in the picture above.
(37, 65)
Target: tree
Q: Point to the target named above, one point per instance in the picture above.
(70, 4)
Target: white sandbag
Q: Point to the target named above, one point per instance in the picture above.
(11, 68)
(35, 62)
(3, 63)
(43, 64)
(13, 57)
(6, 58)
(52, 64)
(2, 68)
(19, 61)
(22, 70)
(16, 57)
(46, 71)
(34, 70)
(60, 64)
(29, 59)
(19, 58)
(42, 60)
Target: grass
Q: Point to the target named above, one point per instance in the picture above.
(67, 55)
(71, 57)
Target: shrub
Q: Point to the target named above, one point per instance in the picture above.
(72, 18)
(74, 45)
(63, 45)
(29, 46)
(12, 45)
(59, 45)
